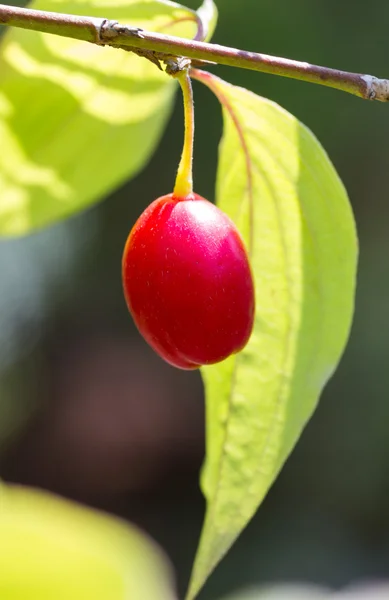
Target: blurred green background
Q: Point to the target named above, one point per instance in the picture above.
(89, 412)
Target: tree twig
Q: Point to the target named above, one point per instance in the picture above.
(112, 33)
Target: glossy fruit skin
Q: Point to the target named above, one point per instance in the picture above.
(187, 281)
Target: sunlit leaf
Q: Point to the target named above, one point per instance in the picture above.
(55, 549)
(76, 120)
(277, 183)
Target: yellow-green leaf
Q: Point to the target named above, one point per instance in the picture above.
(76, 120)
(279, 186)
(53, 549)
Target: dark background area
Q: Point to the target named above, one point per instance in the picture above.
(88, 411)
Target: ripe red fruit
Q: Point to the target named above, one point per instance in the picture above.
(187, 281)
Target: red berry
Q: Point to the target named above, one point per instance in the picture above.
(187, 281)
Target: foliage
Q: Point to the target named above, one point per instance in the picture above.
(100, 115)
(53, 549)
(277, 183)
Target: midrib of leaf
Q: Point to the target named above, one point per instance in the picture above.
(308, 231)
(211, 82)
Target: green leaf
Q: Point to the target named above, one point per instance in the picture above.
(208, 15)
(77, 120)
(278, 185)
(51, 548)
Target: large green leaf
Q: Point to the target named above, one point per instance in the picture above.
(52, 549)
(279, 186)
(76, 119)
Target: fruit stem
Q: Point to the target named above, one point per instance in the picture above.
(184, 179)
